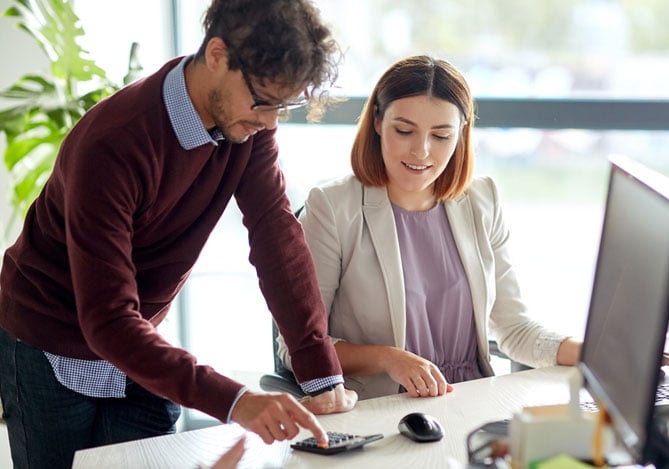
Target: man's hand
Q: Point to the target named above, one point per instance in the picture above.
(276, 416)
(331, 402)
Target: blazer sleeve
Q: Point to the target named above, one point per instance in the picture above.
(519, 336)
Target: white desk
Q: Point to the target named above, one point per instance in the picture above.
(471, 404)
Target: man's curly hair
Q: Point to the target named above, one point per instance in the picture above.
(279, 41)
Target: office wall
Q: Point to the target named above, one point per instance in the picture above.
(19, 55)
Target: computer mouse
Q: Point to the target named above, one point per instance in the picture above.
(421, 427)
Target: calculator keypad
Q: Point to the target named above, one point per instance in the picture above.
(337, 442)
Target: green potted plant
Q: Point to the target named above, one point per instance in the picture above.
(44, 106)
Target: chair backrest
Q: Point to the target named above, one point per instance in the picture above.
(282, 380)
(279, 369)
(515, 366)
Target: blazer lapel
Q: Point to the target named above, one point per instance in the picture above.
(381, 223)
(461, 219)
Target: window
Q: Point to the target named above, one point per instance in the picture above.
(552, 181)
(522, 48)
(110, 33)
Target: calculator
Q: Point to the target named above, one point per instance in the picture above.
(337, 443)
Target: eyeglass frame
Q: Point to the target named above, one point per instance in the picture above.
(262, 105)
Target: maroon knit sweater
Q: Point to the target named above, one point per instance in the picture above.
(115, 233)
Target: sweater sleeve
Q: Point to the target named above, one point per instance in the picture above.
(103, 189)
(284, 264)
(321, 233)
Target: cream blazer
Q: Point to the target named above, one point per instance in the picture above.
(351, 232)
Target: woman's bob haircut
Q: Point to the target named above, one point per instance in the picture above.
(416, 76)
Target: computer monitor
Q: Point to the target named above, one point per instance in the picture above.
(629, 307)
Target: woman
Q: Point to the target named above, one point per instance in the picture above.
(412, 252)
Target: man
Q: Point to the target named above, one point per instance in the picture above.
(138, 186)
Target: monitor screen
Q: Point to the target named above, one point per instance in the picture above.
(629, 307)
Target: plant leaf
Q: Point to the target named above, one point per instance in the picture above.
(43, 108)
(14, 120)
(29, 87)
(21, 149)
(29, 183)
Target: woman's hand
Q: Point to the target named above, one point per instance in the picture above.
(569, 352)
(420, 377)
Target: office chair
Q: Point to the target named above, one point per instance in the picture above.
(282, 380)
(495, 351)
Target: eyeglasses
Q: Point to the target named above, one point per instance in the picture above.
(262, 105)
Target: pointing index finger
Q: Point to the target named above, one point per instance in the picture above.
(307, 420)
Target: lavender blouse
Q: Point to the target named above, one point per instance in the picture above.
(439, 313)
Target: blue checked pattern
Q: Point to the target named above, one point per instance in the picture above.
(320, 383)
(95, 378)
(184, 118)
